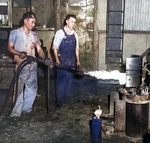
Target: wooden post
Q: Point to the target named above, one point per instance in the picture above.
(114, 96)
(149, 118)
(95, 43)
(57, 14)
(120, 115)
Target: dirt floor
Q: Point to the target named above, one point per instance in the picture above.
(67, 124)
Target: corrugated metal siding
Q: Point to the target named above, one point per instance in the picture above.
(137, 15)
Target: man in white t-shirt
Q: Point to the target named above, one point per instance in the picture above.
(66, 51)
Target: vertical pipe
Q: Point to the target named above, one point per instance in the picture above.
(30, 5)
(26, 6)
(48, 88)
(57, 14)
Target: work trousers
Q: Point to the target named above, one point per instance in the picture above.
(27, 90)
(63, 86)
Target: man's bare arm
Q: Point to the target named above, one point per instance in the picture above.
(77, 56)
(40, 51)
(56, 55)
(11, 50)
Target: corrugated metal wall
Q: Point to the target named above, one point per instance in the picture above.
(137, 15)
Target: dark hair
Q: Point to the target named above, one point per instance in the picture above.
(29, 14)
(67, 17)
(26, 15)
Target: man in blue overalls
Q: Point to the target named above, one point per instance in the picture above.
(66, 51)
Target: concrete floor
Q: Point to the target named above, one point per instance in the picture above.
(69, 123)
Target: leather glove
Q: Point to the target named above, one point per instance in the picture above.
(81, 70)
(22, 55)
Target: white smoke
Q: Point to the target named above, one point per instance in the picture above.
(116, 75)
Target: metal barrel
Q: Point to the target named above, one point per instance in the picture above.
(133, 71)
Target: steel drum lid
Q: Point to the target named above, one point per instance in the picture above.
(134, 63)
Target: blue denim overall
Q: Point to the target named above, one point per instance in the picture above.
(67, 51)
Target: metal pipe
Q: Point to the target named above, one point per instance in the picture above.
(28, 60)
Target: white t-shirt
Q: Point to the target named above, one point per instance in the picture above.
(22, 42)
(59, 37)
